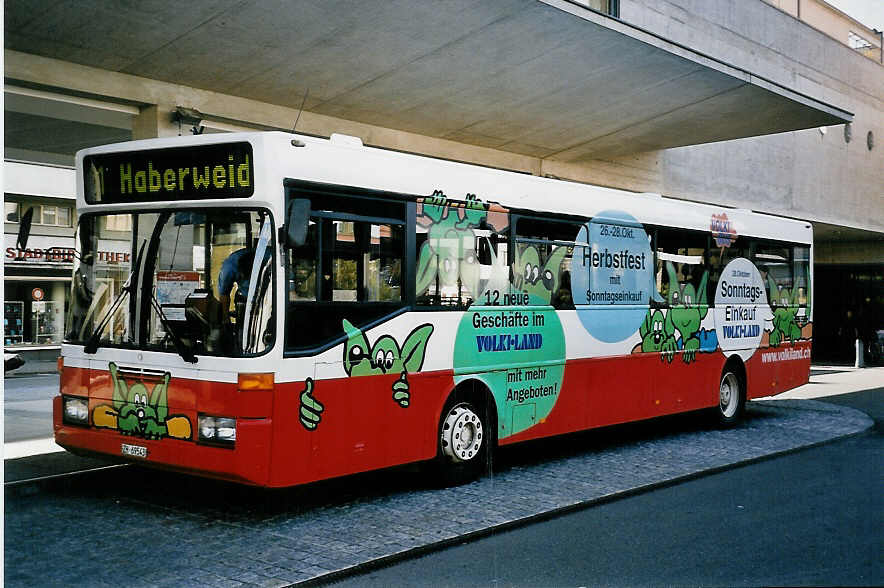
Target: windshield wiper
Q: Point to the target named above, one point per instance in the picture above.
(127, 289)
(182, 349)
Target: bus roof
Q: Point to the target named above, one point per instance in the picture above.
(344, 161)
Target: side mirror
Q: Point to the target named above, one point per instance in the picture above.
(24, 228)
(297, 222)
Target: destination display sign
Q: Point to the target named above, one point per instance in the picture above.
(224, 170)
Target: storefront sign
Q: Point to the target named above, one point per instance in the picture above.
(60, 254)
(47, 249)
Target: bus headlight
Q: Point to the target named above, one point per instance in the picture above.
(75, 410)
(217, 430)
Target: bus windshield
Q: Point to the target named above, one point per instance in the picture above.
(196, 282)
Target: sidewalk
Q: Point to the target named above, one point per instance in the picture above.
(836, 380)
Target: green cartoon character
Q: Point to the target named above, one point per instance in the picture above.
(784, 303)
(138, 414)
(687, 309)
(362, 359)
(538, 280)
(449, 252)
(658, 334)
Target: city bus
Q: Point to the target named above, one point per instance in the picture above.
(277, 309)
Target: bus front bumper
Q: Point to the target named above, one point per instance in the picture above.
(247, 461)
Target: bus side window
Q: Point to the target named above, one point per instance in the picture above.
(544, 252)
(461, 254)
(681, 255)
(302, 267)
(774, 261)
(801, 273)
(348, 269)
(719, 257)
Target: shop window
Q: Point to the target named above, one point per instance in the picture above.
(13, 323)
(46, 322)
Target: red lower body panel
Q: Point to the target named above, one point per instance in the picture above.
(361, 426)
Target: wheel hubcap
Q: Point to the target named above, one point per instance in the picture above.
(728, 395)
(461, 433)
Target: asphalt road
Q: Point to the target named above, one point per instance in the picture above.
(27, 401)
(814, 517)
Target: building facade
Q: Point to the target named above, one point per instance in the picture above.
(770, 105)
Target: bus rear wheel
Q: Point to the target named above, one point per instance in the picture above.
(464, 442)
(731, 398)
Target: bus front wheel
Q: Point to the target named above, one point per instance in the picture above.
(731, 398)
(464, 441)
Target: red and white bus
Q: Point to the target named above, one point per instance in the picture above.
(281, 309)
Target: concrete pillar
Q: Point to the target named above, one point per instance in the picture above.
(155, 121)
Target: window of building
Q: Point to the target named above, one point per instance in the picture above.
(857, 42)
(52, 215)
(118, 222)
(609, 7)
(63, 216)
(11, 211)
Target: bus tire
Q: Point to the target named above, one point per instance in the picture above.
(731, 395)
(464, 441)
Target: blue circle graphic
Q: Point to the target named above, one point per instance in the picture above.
(613, 276)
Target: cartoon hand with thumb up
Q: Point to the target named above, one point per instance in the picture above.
(400, 390)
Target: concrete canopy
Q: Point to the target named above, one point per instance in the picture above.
(547, 79)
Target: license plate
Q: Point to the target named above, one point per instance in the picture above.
(134, 450)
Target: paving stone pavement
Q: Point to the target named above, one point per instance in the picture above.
(131, 532)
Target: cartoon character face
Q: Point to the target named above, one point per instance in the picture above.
(385, 356)
(539, 281)
(138, 401)
(137, 412)
(362, 359)
(655, 330)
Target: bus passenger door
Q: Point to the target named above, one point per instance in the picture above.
(351, 436)
(339, 438)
